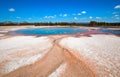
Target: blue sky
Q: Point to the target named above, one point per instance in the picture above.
(60, 10)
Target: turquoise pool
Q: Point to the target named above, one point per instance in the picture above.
(59, 30)
(49, 31)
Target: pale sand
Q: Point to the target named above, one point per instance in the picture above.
(101, 53)
(21, 50)
(60, 56)
(59, 70)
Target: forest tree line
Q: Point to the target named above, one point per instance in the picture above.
(92, 23)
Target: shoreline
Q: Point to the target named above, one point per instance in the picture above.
(5, 29)
(59, 55)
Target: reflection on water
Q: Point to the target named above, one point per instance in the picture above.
(105, 30)
(49, 31)
(63, 30)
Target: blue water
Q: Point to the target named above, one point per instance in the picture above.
(55, 31)
(49, 31)
(116, 32)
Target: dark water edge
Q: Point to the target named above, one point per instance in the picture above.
(105, 30)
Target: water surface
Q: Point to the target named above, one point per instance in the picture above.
(105, 30)
(60, 30)
(49, 31)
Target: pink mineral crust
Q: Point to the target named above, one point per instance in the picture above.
(101, 53)
(20, 51)
(89, 54)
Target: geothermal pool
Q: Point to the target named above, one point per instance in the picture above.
(104, 30)
(49, 31)
(60, 30)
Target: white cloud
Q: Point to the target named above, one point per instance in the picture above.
(76, 14)
(11, 9)
(79, 14)
(98, 17)
(65, 15)
(117, 7)
(83, 12)
(116, 15)
(50, 17)
(75, 18)
(46, 17)
(90, 17)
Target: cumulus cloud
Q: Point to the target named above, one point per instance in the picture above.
(11, 9)
(116, 15)
(65, 15)
(83, 12)
(117, 7)
(47, 17)
(75, 18)
(90, 17)
(76, 14)
(79, 14)
(50, 17)
(98, 17)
